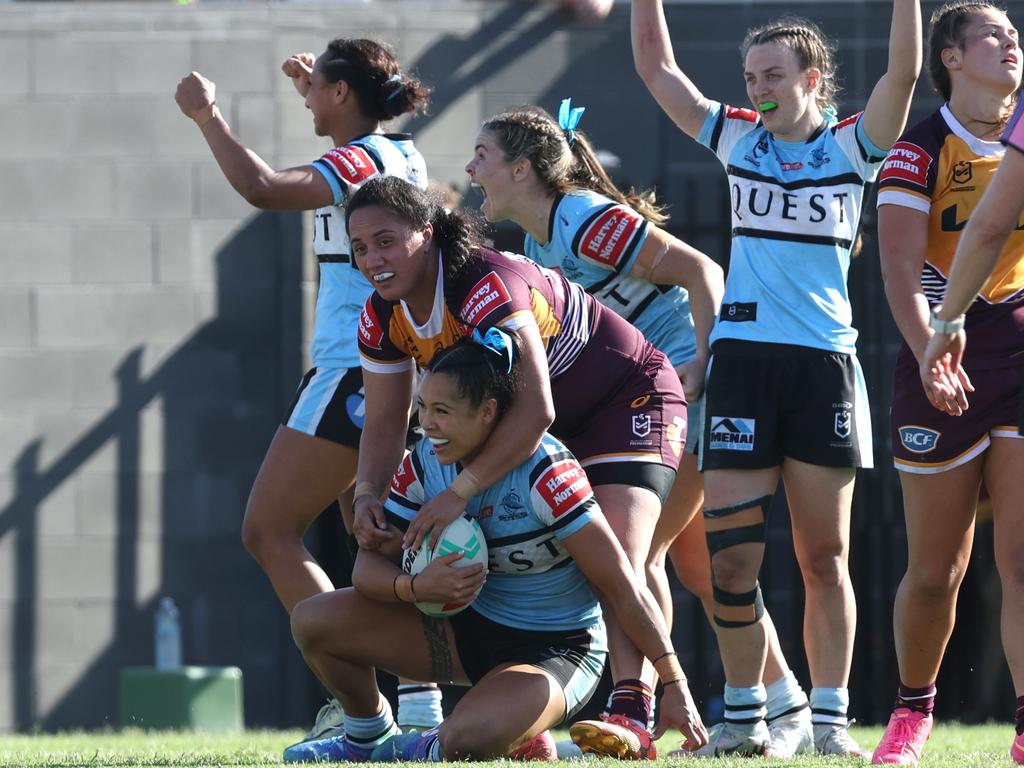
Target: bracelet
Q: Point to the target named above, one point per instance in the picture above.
(206, 114)
(394, 587)
(465, 485)
(680, 680)
(412, 588)
(667, 653)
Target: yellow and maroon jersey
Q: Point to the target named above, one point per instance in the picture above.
(493, 289)
(939, 168)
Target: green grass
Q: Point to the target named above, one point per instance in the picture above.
(951, 746)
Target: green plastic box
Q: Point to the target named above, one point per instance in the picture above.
(189, 698)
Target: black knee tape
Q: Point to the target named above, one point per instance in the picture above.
(739, 600)
(746, 534)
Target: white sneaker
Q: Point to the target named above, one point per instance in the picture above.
(791, 734)
(329, 722)
(836, 740)
(726, 739)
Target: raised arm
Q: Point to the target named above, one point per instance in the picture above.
(292, 189)
(666, 260)
(889, 104)
(656, 64)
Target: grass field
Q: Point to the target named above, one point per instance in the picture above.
(951, 746)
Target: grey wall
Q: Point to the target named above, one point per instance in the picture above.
(153, 326)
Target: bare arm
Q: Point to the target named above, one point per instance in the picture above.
(903, 243)
(889, 104)
(656, 64)
(388, 398)
(292, 189)
(665, 260)
(985, 236)
(600, 557)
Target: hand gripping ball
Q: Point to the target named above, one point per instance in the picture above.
(462, 535)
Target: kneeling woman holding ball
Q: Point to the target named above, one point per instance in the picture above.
(531, 642)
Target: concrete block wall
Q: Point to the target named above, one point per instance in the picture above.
(153, 325)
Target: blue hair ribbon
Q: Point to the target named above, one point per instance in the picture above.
(498, 342)
(569, 118)
(396, 78)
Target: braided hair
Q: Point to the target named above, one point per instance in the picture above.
(811, 47)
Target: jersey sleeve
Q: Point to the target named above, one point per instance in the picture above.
(378, 352)
(1014, 134)
(497, 292)
(606, 235)
(724, 126)
(909, 172)
(347, 168)
(560, 491)
(860, 150)
(407, 492)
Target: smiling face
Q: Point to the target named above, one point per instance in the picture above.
(781, 92)
(392, 254)
(988, 56)
(455, 428)
(495, 177)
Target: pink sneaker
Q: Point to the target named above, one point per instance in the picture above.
(540, 747)
(903, 739)
(1017, 749)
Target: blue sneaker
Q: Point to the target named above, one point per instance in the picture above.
(405, 747)
(333, 749)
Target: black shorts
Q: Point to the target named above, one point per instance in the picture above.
(765, 402)
(574, 657)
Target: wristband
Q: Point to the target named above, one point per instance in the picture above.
(465, 485)
(206, 114)
(363, 488)
(946, 327)
(668, 668)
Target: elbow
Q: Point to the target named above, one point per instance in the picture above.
(987, 230)
(256, 192)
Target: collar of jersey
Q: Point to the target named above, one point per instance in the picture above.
(435, 323)
(978, 146)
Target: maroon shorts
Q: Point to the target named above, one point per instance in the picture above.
(926, 441)
(620, 407)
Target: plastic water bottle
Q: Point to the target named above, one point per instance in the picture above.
(167, 640)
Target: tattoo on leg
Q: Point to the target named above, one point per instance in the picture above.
(437, 646)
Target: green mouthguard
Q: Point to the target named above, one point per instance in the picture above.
(767, 105)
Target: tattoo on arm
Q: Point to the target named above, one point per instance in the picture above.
(441, 668)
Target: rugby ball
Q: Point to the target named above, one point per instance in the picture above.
(462, 535)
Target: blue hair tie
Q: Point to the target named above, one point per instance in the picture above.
(569, 118)
(498, 342)
(396, 78)
(830, 114)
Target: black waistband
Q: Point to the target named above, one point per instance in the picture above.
(333, 258)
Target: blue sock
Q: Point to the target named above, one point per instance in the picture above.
(369, 732)
(744, 707)
(829, 705)
(785, 696)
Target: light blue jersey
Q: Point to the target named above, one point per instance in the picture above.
(343, 289)
(532, 582)
(795, 212)
(595, 241)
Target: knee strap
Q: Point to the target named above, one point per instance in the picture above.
(755, 533)
(751, 601)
